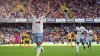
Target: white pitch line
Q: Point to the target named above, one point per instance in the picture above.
(48, 45)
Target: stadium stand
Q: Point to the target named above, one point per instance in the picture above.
(59, 8)
(52, 32)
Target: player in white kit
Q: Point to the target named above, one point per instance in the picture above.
(37, 28)
(89, 36)
(80, 37)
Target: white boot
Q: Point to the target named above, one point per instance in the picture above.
(38, 51)
(42, 49)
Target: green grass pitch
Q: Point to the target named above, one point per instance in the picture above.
(49, 51)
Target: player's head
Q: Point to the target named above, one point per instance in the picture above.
(37, 12)
(88, 28)
(80, 25)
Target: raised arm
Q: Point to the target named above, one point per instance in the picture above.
(48, 9)
(29, 10)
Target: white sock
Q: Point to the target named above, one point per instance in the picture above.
(42, 48)
(77, 48)
(38, 51)
(0, 43)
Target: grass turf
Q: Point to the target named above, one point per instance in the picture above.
(49, 51)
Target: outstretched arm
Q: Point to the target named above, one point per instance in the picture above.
(29, 10)
(48, 9)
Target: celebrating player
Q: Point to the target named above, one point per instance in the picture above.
(37, 27)
(16, 35)
(69, 36)
(80, 37)
(89, 37)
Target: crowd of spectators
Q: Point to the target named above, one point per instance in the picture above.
(55, 34)
(84, 8)
(58, 8)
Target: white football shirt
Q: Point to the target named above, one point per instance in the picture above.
(80, 30)
(89, 33)
(37, 24)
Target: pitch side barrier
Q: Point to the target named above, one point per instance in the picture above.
(52, 20)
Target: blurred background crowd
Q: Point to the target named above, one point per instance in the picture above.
(58, 8)
(56, 33)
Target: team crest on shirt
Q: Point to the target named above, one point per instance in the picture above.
(37, 22)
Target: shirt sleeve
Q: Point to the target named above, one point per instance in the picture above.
(33, 17)
(91, 32)
(84, 29)
(76, 28)
(43, 16)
